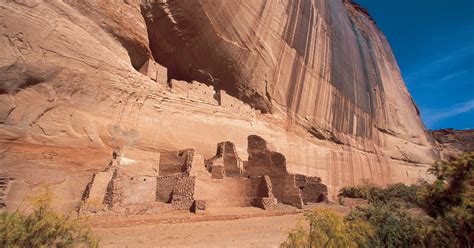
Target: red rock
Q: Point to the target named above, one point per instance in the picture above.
(453, 143)
(334, 102)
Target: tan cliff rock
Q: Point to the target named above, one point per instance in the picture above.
(316, 78)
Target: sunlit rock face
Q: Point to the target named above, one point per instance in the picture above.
(325, 63)
(320, 76)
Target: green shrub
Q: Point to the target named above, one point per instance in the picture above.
(43, 227)
(453, 187)
(450, 198)
(329, 229)
(359, 191)
(408, 193)
(374, 193)
(393, 225)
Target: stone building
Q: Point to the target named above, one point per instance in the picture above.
(138, 181)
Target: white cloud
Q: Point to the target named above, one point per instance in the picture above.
(454, 75)
(433, 116)
(439, 64)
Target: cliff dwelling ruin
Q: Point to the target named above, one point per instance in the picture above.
(137, 182)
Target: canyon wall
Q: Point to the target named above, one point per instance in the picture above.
(452, 143)
(316, 78)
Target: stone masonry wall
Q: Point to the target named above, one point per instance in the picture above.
(164, 187)
(194, 91)
(175, 162)
(155, 71)
(183, 193)
(226, 157)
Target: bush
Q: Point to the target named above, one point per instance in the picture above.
(359, 191)
(408, 193)
(43, 227)
(374, 193)
(453, 187)
(450, 199)
(448, 203)
(329, 229)
(393, 225)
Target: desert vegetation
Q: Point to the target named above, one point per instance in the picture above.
(439, 213)
(40, 226)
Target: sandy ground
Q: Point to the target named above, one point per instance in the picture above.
(251, 232)
(226, 227)
(218, 227)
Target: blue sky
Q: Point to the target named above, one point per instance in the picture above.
(433, 41)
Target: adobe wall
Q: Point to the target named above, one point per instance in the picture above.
(194, 91)
(262, 161)
(311, 188)
(98, 194)
(175, 162)
(137, 162)
(233, 104)
(135, 189)
(165, 186)
(265, 198)
(97, 188)
(285, 190)
(228, 192)
(226, 161)
(154, 71)
(199, 92)
(268, 169)
(131, 182)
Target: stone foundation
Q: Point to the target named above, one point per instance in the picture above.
(182, 197)
(198, 206)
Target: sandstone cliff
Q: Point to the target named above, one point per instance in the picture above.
(452, 143)
(322, 81)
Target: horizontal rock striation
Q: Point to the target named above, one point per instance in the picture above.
(453, 143)
(316, 78)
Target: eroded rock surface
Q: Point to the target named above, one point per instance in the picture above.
(321, 72)
(453, 143)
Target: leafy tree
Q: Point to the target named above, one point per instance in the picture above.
(329, 229)
(453, 186)
(450, 198)
(43, 227)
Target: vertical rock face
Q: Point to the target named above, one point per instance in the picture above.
(321, 79)
(325, 63)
